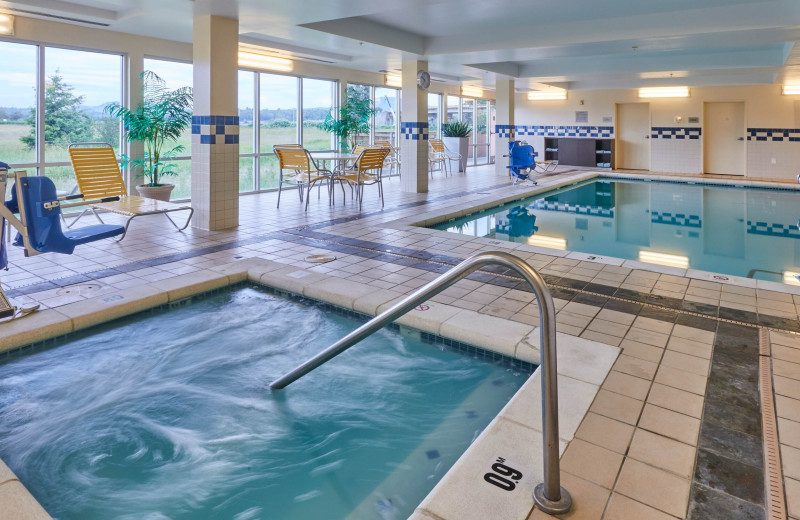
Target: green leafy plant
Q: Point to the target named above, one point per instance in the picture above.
(350, 119)
(64, 122)
(456, 129)
(158, 121)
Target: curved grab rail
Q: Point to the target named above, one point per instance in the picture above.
(549, 496)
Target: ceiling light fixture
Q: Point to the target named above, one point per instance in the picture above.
(547, 95)
(791, 90)
(472, 91)
(7, 24)
(545, 241)
(664, 92)
(263, 61)
(394, 80)
(791, 277)
(651, 257)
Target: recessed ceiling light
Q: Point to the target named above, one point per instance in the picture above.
(664, 92)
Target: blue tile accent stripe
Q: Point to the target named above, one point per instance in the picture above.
(598, 132)
(209, 127)
(504, 131)
(774, 134)
(675, 132)
(579, 209)
(414, 130)
(773, 230)
(678, 219)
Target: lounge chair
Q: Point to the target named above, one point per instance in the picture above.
(367, 169)
(98, 175)
(545, 166)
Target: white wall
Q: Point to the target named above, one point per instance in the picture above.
(765, 108)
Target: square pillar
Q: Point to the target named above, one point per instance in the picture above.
(504, 123)
(414, 130)
(215, 123)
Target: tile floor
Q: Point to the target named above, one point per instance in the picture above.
(676, 414)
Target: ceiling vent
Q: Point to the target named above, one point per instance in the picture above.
(37, 14)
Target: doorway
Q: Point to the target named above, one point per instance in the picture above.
(633, 136)
(724, 147)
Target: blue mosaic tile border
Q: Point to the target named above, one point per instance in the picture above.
(414, 130)
(504, 131)
(773, 230)
(578, 209)
(675, 132)
(598, 132)
(774, 134)
(678, 219)
(209, 127)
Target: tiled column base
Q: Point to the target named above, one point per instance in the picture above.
(414, 156)
(215, 172)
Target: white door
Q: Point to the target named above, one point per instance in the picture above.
(633, 136)
(723, 138)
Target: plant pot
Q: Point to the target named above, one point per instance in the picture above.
(162, 192)
(458, 145)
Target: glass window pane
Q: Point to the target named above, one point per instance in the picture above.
(386, 114)
(467, 117)
(492, 122)
(182, 180)
(278, 117)
(317, 102)
(433, 115)
(246, 103)
(18, 103)
(481, 132)
(362, 91)
(269, 172)
(247, 180)
(453, 103)
(78, 86)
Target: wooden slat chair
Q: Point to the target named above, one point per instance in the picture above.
(304, 171)
(437, 155)
(98, 176)
(366, 170)
(393, 159)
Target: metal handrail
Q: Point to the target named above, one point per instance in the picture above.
(549, 496)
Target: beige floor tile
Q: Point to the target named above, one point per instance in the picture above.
(627, 385)
(663, 452)
(641, 351)
(691, 364)
(623, 508)
(785, 368)
(676, 400)
(582, 309)
(787, 387)
(682, 331)
(605, 432)
(663, 327)
(647, 337)
(792, 488)
(654, 487)
(616, 406)
(787, 408)
(670, 424)
(691, 347)
(681, 379)
(786, 353)
(588, 500)
(601, 338)
(607, 327)
(789, 432)
(575, 320)
(790, 458)
(592, 463)
(623, 318)
(636, 367)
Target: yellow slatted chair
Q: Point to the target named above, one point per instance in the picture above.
(98, 176)
(366, 170)
(437, 156)
(393, 159)
(302, 171)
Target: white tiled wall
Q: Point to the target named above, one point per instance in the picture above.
(676, 155)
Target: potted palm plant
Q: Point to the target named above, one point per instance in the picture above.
(350, 119)
(455, 136)
(158, 122)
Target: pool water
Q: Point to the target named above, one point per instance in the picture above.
(736, 231)
(169, 415)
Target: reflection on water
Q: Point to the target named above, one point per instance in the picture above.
(171, 416)
(743, 232)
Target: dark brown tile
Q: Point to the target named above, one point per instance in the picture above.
(729, 476)
(732, 444)
(709, 504)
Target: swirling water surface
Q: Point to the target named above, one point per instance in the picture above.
(170, 416)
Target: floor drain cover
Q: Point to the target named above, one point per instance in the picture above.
(84, 289)
(320, 259)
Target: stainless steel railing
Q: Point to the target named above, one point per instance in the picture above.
(549, 496)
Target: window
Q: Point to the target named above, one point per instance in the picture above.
(433, 115)
(278, 98)
(453, 108)
(363, 90)
(177, 75)
(18, 104)
(247, 89)
(386, 114)
(481, 132)
(318, 98)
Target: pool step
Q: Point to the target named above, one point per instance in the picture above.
(6, 309)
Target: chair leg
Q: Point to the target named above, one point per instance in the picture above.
(280, 185)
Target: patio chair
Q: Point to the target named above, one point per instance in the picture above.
(98, 176)
(447, 154)
(436, 156)
(366, 170)
(393, 159)
(304, 171)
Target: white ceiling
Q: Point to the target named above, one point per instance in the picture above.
(577, 44)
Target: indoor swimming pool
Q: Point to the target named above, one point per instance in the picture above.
(748, 232)
(168, 414)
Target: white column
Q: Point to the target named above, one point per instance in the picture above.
(134, 95)
(504, 123)
(215, 123)
(414, 130)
